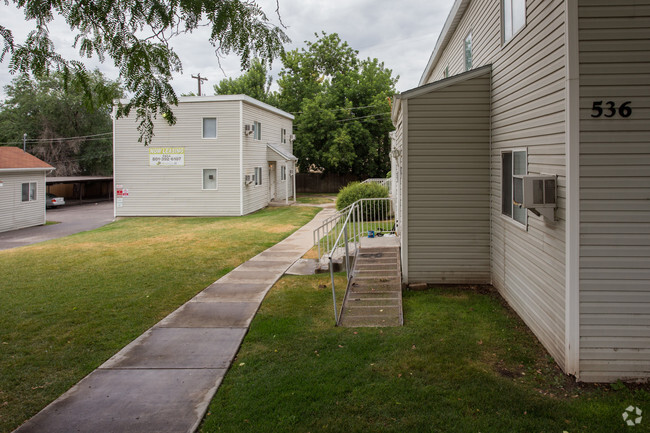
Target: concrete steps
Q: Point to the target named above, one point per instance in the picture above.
(374, 295)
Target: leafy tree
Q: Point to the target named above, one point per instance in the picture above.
(254, 83)
(49, 115)
(135, 35)
(342, 107)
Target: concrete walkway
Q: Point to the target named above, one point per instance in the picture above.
(164, 380)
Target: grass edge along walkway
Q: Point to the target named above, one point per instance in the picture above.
(462, 362)
(79, 299)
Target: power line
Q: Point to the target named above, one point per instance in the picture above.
(352, 119)
(103, 135)
(337, 109)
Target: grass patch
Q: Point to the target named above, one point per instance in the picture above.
(316, 198)
(463, 362)
(69, 304)
(51, 223)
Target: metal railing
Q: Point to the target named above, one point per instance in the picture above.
(365, 217)
(381, 181)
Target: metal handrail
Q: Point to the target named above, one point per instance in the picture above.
(359, 215)
(328, 225)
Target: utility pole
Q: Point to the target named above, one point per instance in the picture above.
(200, 80)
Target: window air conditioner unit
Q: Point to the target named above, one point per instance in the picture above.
(248, 129)
(248, 179)
(537, 193)
(292, 137)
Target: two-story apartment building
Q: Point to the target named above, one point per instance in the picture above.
(520, 88)
(226, 155)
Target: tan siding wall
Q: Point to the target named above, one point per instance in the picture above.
(255, 155)
(14, 213)
(528, 97)
(178, 191)
(614, 191)
(448, 184)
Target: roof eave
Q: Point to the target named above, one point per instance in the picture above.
(457, 11)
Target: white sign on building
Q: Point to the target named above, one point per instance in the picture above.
(166, 156)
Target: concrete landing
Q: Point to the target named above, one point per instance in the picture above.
(164, 380)
(374, 295)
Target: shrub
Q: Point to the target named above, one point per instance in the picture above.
(355, 191)
(388, 175)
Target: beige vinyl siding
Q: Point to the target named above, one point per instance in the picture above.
(178, 191)
(448, 184)
(614, 191)
(255, 155)
(14, 213)
(527, 103)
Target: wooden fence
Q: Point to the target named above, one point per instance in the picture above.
(322, 183)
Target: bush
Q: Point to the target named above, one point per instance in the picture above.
(356, 190)
(388, 175)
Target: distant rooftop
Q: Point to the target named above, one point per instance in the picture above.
(15, 158)
(74, 179)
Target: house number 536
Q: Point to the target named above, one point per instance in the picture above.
(610, 109)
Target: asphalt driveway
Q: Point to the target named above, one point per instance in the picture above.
(72, 219)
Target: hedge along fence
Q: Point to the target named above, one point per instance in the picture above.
(372, 209)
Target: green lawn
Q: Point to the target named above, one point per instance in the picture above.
(307, 198)
(463, 362)
(67, 305)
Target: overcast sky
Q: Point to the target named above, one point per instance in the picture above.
(401, 34)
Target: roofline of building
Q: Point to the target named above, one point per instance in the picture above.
(24, 169)
(456, 13)
(430, 87)
(227, 98)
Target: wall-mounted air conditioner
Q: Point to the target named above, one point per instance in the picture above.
(248, 129)
(537, 193)
(248, 179)
(292, 137)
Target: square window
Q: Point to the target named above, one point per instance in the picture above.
(209, 127)
(514, 165)
(209, 178)
(514, 17)
(468, 52)
(28, 191)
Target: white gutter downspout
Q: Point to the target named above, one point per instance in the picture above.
(404, 194)
(241, 157)
(114, 115)
(572, 230)
(294, 182)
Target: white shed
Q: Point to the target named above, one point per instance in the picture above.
(22, 189)
(226, 155)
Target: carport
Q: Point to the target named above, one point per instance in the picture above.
(80, 188)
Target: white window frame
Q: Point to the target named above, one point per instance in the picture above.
(258, 176)
(283, 172)
(509, 198)
(257, 130)
(283, 135)
(468, 64)
(216, 128)
(216, 179)
(32, 192)
(508, 18)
